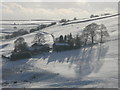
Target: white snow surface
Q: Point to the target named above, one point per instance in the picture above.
(88, 67)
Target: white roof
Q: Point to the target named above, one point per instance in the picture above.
(61, 44)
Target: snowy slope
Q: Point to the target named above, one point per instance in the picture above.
(110, 23)
(57, 30)
(92, 66)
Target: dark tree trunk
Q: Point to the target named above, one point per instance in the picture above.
(92, 39)
(85, 42)
(101, 37)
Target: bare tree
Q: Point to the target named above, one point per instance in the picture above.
(103, 32)
(85, 37)
(39, 38)
(90, 31)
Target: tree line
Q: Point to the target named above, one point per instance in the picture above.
(21, 32)
(92, 33)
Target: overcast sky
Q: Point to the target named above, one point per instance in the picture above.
(58, 10)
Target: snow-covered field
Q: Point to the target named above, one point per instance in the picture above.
(7, 27)
(89, 67)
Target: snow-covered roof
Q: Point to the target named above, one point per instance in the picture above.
(37, 44)
(62, 44)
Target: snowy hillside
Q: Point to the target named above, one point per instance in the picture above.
(92, 66)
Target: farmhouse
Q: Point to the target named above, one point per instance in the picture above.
(61, 46)
(40, 47)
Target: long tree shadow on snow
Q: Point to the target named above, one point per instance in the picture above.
(87, 60)
(92, 59)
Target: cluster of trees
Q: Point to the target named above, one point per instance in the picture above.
(21, 49)
(65, 20)
(73, 42)
(42, 26)
(105, 14)
(92, 33)
(92, 16)
(53, 23)
(23, 32)
(17, 33)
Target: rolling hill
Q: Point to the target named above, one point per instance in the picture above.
(88, 67)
